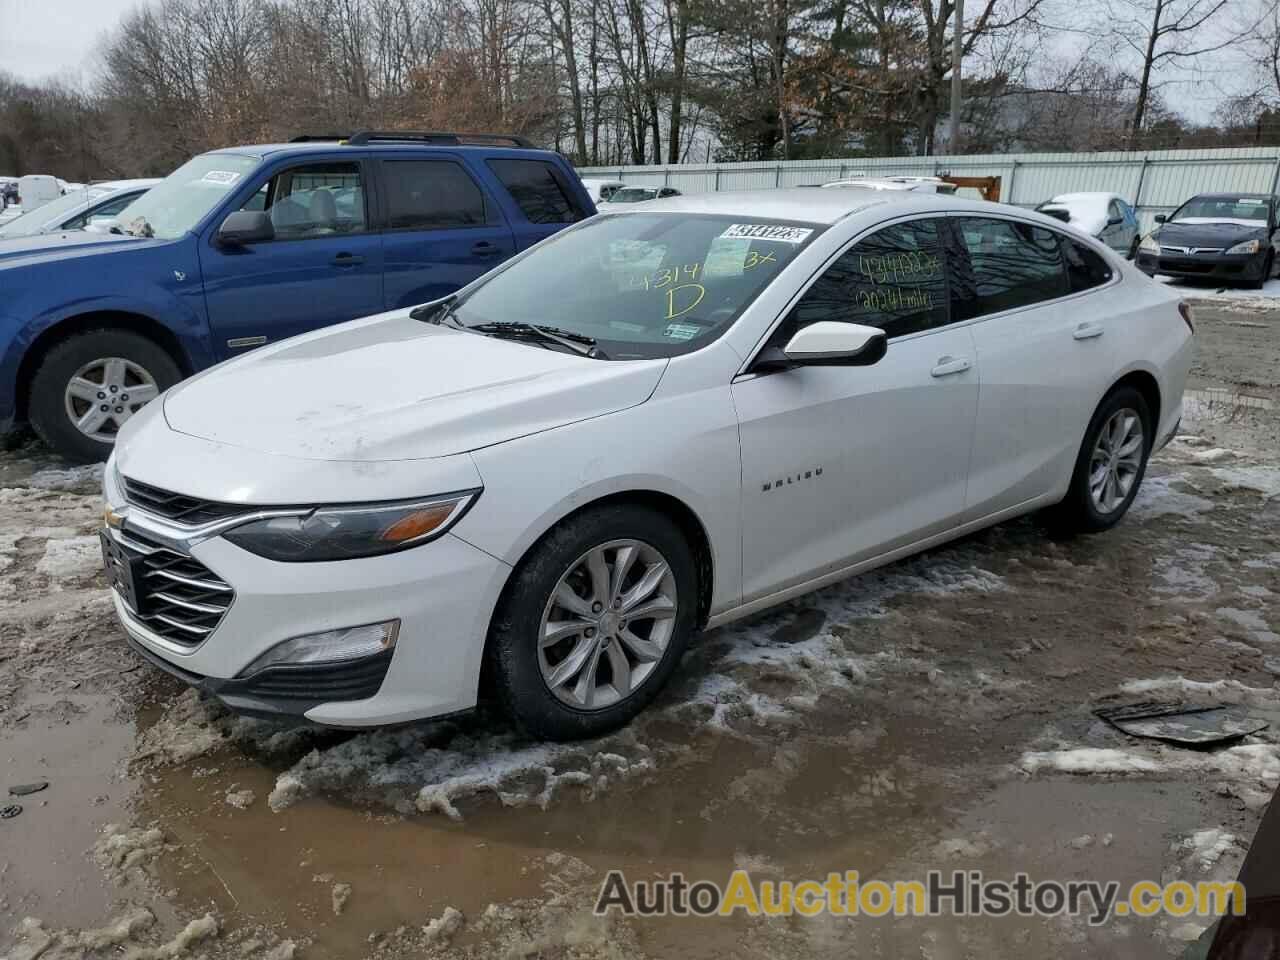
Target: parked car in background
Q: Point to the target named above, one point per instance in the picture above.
(74, 210)
(602, 190)
(664, 419)
(626, 196)
(250, 245)
(1229, 237)
(36, 189)
(1107, 216)
(914, 184)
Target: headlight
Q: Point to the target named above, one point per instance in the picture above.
(1249, 246)
(1149, 244)
(112, 485)
(344, 533)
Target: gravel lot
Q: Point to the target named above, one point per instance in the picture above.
(935, 714)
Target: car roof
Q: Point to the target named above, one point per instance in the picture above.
(823, 206)
(1085, 195)
(124, 184)
(264, 150)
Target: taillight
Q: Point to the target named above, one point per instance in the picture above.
(1185, 309)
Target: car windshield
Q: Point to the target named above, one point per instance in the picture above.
(179, 201)
(1247, 210)
(32, 223)
(633, 195)
(643, 285)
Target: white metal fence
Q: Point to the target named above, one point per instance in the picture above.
(1153, 181)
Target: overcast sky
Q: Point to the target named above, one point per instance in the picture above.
(40, 39)
(54, 38)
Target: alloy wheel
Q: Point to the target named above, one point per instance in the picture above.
(103, 394)
(607, 625)
(1116, 460)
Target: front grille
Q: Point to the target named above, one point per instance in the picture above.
(178, 506)
(178, 596)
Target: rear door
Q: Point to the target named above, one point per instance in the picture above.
(442, 227)
(324, 265)
(1041, 345)
(540, 198)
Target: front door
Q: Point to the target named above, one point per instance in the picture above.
(324, 265)
(841, 464)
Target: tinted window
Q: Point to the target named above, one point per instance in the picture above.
(1085, 268)
(314, 200)
(893, 280)
(1002, 264)
(431, 195)
(537, 188)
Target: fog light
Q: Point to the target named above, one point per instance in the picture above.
(332, 646)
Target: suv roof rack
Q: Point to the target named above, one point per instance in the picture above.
(364, 137)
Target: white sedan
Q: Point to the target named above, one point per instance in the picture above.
(649, 424)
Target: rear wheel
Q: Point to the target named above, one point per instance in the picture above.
(87, 387)
(594, 622)
(1110, 466)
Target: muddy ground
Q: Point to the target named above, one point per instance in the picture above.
(934, 714)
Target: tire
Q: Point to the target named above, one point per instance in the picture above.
(1265, 273)
(140, 363)
(1079, 511)
(523, 670)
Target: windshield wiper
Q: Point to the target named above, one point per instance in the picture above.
(439, 312)
(579, 343)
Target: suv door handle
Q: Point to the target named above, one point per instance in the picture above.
(1088, 330)
(347, 260)
(948, 365)
(485, 249)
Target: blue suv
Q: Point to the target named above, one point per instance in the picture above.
(244, 246)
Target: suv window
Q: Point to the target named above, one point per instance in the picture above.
(538, 189)
(892, 279)
(314, 200)
(431, 195)
(1003, 264)
(1085, 268)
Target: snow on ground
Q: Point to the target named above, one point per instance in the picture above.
(1233, 298)
(1162, 496)
(71, 559)
(1262, 478)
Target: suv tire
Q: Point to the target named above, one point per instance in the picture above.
(86, 373)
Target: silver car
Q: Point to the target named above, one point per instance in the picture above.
(75, 209)
(1105, 216)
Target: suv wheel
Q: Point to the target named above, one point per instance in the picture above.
(1110, 466)
(594, 622)
(88, 386)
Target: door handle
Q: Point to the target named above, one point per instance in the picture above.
(486, 249)
(347, 260)
(1088, 330)
(946, 366)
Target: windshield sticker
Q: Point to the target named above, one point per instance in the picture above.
(766, 231)
(681, 331)
(224, 177)
(1252, 201)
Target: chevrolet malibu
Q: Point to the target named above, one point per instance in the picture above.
(652, 423)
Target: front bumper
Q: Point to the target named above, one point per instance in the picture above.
(443, 593)
(1233, 268)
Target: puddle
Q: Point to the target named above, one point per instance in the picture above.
(78, 745)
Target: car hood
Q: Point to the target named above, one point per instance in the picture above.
(1213, 234)
(50, 247)
(393, 388)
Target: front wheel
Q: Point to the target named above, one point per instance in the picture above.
(88, 386)
(1264, 273)
(1110, 466)
(594, 622)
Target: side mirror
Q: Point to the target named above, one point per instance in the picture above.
(1160, 218)
(246, 226)
(1115, 221)
(832, 343)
